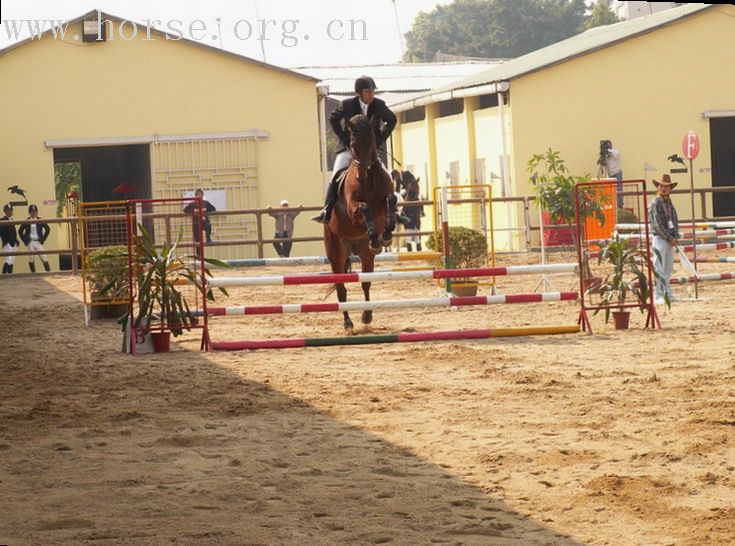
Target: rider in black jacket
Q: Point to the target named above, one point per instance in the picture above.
(33, 236)
(364, 102)
(9, 239)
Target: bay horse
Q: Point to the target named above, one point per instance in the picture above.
(413, 212)
(364, 217)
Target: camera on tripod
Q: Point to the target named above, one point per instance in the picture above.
(605, 151)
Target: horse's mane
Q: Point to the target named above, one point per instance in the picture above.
(361, 125)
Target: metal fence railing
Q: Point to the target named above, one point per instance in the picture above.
(524, 228)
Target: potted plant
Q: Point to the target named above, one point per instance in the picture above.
(467, 249)
(161, 274)
(554, 191)
(554, 186)
(107, 275)
(626, 280)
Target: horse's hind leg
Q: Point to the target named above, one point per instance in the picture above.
(339, 256)
(342, 297)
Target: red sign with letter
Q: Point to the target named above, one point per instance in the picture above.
(690, 145)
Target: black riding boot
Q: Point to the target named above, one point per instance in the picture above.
(10, 268)
(47, 266)
(32, 267)
(5, 269)
(324, 214)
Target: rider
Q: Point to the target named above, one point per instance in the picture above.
(363, 103)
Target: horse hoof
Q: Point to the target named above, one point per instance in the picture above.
(349, 327)
(387, 241)
(367, 317)
(374, 250)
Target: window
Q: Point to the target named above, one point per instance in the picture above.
(487, 101)
(451, 107)
(415, 114)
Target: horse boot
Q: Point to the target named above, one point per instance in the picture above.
(32, 267)
(331, 199)
(47, 266)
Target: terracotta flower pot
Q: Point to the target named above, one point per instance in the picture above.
(161, 341)
(464, 289)
(622, 319)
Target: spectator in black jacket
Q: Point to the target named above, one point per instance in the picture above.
(33, 236)
(9, 239)
(193, 209)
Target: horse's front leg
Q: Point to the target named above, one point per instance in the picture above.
(375, 245)
(368, 265)
(390, 224)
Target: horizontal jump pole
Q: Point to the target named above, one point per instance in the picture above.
(697, 225)
(708, 246)
(404, 337)
(394, 304)
(323, 260)
(724, 259)
(703, 277)
(709, 233)
(339, 278)
(689, 248)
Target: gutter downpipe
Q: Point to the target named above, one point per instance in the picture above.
(323, 91)
(505, 163)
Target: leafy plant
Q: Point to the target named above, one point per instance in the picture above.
(107, 271)
(160, 273)
(554, 190)
(627, 279)
(467, 247)
(68, 179)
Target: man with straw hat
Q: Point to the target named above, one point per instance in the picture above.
(665, 229)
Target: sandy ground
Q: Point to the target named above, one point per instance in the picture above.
(621, 438)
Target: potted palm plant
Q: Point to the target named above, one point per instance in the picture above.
(626, 280)
(161, 274)
(467, 249)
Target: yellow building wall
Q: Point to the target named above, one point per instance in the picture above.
(54, 89)
(643, 94)
(414, 150)
(452, 145)
(489, 146)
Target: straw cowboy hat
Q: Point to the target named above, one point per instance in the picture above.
(665, 181)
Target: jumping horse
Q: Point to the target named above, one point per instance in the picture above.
(364, 216)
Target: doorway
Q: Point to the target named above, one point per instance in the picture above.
(107, 171)
(722, 137)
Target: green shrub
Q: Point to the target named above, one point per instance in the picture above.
(467, 247)
(107, 271)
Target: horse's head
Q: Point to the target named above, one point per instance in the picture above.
(411, 185)
(362, 139)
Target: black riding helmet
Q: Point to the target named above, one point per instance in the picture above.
(364, 83)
